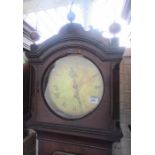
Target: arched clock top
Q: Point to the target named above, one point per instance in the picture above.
(71, 36)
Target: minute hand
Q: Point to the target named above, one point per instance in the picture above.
(76, 87)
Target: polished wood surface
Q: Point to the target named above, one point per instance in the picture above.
(29, 144)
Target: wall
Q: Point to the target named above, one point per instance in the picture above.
(124, 147)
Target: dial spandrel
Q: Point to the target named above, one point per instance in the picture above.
(74, 87)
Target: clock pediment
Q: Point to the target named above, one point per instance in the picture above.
(73, 35)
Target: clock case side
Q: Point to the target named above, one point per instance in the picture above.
(74, 36)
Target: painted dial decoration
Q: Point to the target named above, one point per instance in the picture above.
(74, 87)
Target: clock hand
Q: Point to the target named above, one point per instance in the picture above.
(76, 87)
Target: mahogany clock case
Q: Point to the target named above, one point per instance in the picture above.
(95, 132)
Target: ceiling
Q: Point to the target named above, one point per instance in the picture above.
(48, 16)
(38, 5)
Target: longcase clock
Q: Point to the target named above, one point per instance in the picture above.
(75, 93)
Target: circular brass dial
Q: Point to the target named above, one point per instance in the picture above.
(74, 88)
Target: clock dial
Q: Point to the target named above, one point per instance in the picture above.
(74, 87)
